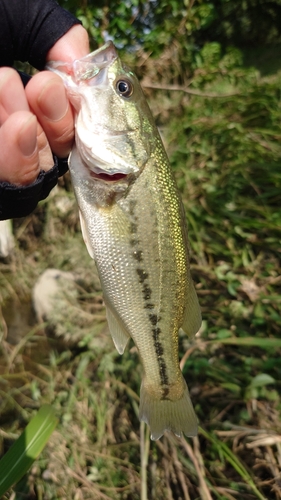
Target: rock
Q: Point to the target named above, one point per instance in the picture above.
(7, 241)
(55, 298)
(50, 288)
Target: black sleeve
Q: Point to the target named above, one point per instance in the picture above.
(19, 201)
(29, 29)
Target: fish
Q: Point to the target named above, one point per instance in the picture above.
(134, 227)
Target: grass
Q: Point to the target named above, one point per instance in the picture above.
(226, 157)
(20, 457)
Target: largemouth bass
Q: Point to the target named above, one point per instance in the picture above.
(134, 227)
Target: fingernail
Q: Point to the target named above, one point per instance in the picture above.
(53, 101)
(27, 140)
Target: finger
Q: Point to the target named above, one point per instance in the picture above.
(12, 95)
(19, 159)
(73, 45)
(13, 99)
(47, 99)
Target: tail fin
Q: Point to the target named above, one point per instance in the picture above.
(176, 416)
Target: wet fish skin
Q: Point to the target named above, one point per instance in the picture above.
(134, 227)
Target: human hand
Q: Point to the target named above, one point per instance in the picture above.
(38, 119)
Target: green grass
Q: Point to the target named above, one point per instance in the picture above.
(226, 155)
(20, 457)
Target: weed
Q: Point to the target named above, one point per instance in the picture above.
(225, 153)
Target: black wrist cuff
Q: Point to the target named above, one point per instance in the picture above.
(19, 201)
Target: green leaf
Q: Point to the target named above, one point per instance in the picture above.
(263, 343)
(26, 448)
(262, 379)
(223, 333)
(236, 389)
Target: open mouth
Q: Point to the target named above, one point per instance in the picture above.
(107, 177)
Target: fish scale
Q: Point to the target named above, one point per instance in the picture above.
(135, 229)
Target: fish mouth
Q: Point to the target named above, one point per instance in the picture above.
(107, 177)
(108, 165)
(89, 66)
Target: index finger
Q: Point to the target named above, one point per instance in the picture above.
(12, 95)
(47, 98)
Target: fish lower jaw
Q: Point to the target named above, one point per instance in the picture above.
(100, 170)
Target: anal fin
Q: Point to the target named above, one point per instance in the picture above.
(118, 333)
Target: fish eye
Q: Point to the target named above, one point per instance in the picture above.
(124, 88)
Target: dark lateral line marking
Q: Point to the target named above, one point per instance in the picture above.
(149, 305)
(134, 242)
(163, 372)
(142, 275)
(134, 227)
(137, 254)
(164, 380)
(157, 344)
(159, 348)
(146, 292)
(153, 318)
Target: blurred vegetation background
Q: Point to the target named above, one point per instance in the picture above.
(211, 71)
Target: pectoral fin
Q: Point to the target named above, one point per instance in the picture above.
(85, 235)
(118, 333)
(192, 315)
